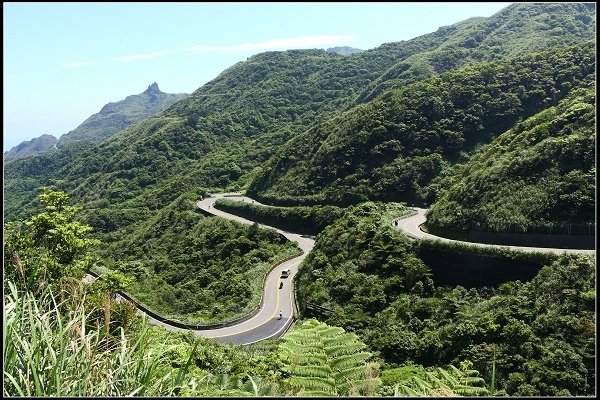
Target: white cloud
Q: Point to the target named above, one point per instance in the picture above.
(12, 76)
(147, 56)
(78, 64)
(274, 44)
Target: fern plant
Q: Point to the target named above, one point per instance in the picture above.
(441, 382)
(225, 385)
(323, 360)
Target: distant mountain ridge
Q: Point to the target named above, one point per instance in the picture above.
(114, 117)
(343, 50)
(30, 147)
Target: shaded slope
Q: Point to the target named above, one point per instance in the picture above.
(539, 173)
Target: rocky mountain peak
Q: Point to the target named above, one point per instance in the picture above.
(153, 89)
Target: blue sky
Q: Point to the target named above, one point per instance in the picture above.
(64, 61)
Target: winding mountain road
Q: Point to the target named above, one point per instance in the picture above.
(276, 313)
(267, 322)
(410, 225)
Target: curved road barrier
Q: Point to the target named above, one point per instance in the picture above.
(410, 225)
(276, 312)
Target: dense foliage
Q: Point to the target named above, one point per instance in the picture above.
(398, 146)
(198, 269)
(511, 32)
(307, 220)
(539, 173)
(535, 338)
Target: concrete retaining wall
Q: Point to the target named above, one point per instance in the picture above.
(473, 270)
(535, 240)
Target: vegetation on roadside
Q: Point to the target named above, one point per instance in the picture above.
(534, 338)
(307, 220)
(196, 269)
(537, 177)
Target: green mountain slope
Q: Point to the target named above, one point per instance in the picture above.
(214, 137)
(221, 133)
(516, 30)
(540, 172)
(31, 147)
(394, 147)
(116, 116)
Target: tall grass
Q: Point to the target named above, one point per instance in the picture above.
(49, 350)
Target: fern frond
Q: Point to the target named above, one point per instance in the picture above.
(321, 371)
(471, 390)
(344, 349)
(402, 390)
(357, 372)
(349, 360)
(312, 383)
(446, 377)
(472, 381)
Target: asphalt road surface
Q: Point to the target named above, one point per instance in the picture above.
(410, 225)
(277, 310)
(276, 313)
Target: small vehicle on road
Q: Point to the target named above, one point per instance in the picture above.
(280, 285)
(285, 273)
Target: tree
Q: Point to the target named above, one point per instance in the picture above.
(49, 247)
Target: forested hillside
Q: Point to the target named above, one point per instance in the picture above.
(490, 122)
(535, 338)
(221, 134)
(539, 173)
(399, 146)
(213, 138)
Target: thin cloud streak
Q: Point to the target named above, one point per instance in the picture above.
(78, 64)
(288, 43)
(147, 56)
(12, 76)
(274, 44)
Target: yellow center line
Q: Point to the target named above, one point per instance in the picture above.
(270, 318)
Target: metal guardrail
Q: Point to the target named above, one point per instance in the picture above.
(575, 229)
(318, 308)
(183, 325)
